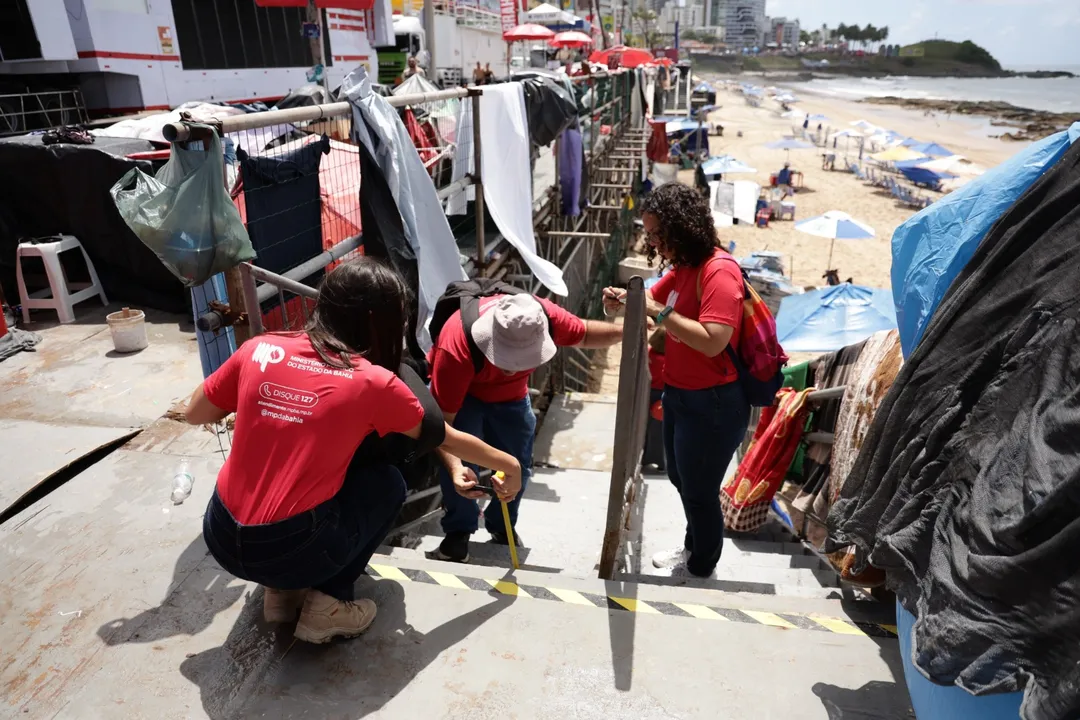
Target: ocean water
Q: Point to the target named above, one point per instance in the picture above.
(1053, 94)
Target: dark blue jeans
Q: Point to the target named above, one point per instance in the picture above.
(508, 426)
(702, 431)
(326, 548)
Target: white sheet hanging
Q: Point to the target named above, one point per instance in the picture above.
(746, 195)
(505, 172)
(462, 165)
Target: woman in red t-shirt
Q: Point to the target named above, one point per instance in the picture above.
(700, 304)
(291, 510)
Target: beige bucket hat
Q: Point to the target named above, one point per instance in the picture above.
(514, 335)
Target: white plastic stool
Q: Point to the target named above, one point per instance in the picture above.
(787, 208)
(62, 299)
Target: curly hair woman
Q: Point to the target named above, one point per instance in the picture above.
(699, 302)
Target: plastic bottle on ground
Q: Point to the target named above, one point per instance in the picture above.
(182, 482)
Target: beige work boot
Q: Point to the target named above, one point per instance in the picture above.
(281, 606)
(324, 618)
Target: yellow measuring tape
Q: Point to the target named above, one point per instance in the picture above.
(510, 537)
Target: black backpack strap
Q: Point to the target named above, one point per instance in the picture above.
(470, 313)
(432, 425)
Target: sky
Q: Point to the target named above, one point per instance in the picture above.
(1021, 34)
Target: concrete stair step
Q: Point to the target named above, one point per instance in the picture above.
(789, 599)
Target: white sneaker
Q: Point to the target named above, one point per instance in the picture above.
(681, 571)
(670, 558)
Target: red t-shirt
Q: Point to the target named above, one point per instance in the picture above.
(721, 302)
(656, 369)
(298, 423)
(452, 373)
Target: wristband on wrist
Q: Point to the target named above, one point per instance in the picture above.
(663, 314)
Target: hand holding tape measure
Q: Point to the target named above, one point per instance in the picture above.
(487, 482)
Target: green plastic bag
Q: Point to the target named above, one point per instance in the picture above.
(184, 214)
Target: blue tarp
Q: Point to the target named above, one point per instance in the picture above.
(924, 176)
(934, 245)
(834, 317)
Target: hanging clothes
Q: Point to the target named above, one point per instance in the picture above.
(570, 166)
(746, 495)
(658, 149)
(505, 172)
(967, 490)
(412, 226)
(421, 140)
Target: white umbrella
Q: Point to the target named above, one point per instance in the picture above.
(865, 126)
(835, 224)
(846, 133)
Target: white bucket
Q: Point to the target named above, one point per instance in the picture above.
(128, 328)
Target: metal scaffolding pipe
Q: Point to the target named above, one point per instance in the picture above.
(310, 267)
(178, 131)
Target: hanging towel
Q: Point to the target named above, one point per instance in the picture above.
(388, 151)
(505, 172)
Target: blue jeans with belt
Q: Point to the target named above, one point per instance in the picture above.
(702, 431)
(326, 547)
(508, 426)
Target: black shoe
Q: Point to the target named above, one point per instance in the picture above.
(453, 548)
(498, 537)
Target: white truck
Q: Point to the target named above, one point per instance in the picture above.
(113, 57)
(464, 35)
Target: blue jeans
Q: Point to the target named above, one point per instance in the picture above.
(948, 702)
(508, 426)
(702, 431)
(326, 548)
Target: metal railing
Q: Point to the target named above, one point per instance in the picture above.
(631, 418)
(20, 112)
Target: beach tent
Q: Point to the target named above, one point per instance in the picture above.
(831, 318)
(932, 149)
(933, 246)
(911, 142)
(896, 154)
(922, 176)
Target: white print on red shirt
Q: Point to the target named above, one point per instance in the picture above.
(266, 354)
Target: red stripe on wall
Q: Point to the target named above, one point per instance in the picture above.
(354, 28)
(350, 58)
(86, 54)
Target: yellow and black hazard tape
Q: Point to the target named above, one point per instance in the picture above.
(787, 621)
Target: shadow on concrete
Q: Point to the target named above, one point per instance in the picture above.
(876, 700)
(261, 671)
(188, 607)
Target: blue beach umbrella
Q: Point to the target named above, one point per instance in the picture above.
(835, 224)
(932, 149)
(831, 318)
(789, 144)
(725, 164)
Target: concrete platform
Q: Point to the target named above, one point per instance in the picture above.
(578, 432)
(74, 393)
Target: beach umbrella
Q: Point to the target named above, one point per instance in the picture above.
(628, 57)
(927, 177)
(725, 164)
(845, 133)
(789, 144)
(932, 149)
(896, 154)
(866, 126)
(570, 39)
(817, 117)
(528, 31)
(910, 142)
(831, 318)
(835, 225)
(945, 164)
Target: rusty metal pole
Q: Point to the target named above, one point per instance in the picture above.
(478, 183)
(234, 288)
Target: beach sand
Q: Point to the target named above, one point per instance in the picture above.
(867, 262)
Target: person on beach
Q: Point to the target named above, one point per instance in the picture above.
(293, 509)
(706, 412)
(514, 335)
(783, 179)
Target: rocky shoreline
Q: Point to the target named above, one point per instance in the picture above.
(1026, 124)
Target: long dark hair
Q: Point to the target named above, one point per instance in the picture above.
(686, 224)
(361, 311)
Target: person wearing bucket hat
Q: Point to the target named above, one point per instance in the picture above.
(488, 396)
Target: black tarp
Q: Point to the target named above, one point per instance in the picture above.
(549, 107)
(64, 189)
(967, 490)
